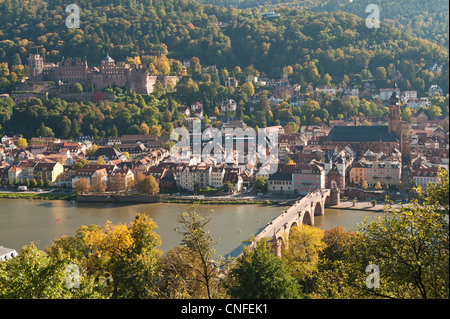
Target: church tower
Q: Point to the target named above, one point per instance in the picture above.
(395, 120)
(396, 127)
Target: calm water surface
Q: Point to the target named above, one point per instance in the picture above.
(39, 221)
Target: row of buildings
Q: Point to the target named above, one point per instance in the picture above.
(316, 157)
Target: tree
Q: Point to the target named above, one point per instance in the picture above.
(163, 65)
(98, 184)
(156, 130)
(364, 184)
(406, 114)
(44, 131)
(100, 161)
(179, 276)
(77, 87)
(81, 186)
(117, 183)
(33, 183)
(409, 246)
(227, 187)
(200, 245)
(91, 150)
(336, 240)
(259, 274)
(144, 129)
(34, 275)
(129, 254)
(22, 142)
(302, 253)
(436, 195)
(260, 184)
(80, 164)
(146, 185)
(378, 186)
(411, 249)
(248, 88)
(433, 112)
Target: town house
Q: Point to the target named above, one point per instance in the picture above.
(307, 178)
(47, 172)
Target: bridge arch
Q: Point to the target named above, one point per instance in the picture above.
(308, 218)
(319, 209)
(294, 226)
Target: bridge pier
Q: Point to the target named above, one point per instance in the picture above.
(335, 196)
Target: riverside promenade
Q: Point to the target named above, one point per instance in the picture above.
(365, 206)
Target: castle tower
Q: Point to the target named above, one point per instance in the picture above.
(35, 67)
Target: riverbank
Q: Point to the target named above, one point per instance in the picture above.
(346, 205)
(43, 196)
(221, 202)
(140, 199)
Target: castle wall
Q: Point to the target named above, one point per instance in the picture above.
(132, 77)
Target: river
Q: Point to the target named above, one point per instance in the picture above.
(41, 221)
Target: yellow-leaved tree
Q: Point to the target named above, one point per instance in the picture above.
(123, 258)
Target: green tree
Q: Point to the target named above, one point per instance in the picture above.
(80, 164)
(34, 275)
(409, 246)
(44, 131)
(406, 114)
(436, 195)
(227, 187)
(77, 87)
(259, 274)
(260, 184)
(411, 249)
(198, 241)
(33, 183)
(248, 88)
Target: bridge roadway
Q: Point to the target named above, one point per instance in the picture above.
(302, 212)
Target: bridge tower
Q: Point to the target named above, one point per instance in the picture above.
(335, 196)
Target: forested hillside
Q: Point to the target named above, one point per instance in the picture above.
(313, 44)
(425, 19)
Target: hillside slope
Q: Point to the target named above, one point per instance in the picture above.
(336, 43)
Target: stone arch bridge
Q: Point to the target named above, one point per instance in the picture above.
(302, 212)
